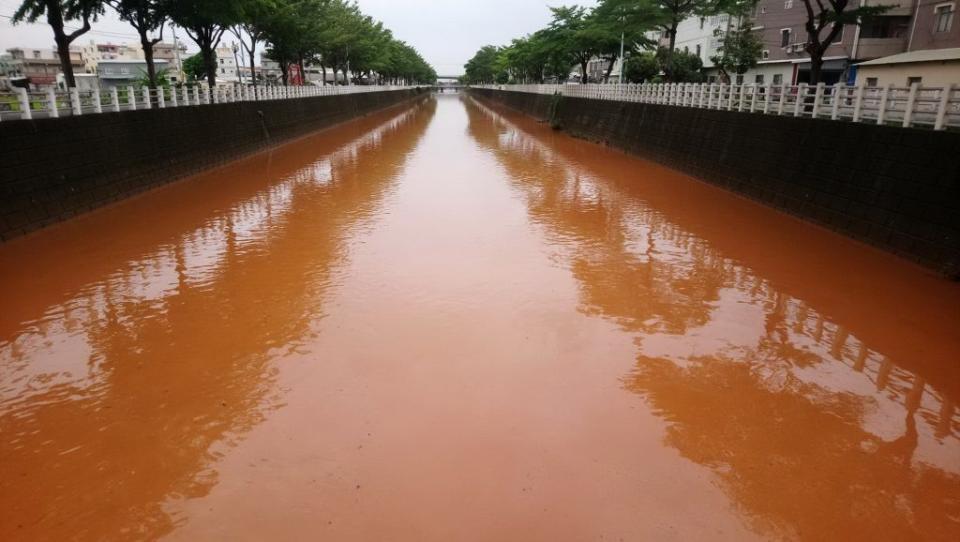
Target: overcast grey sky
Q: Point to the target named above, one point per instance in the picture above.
(446, 32)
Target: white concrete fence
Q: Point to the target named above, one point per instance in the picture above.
(913, 106)
(23, 104)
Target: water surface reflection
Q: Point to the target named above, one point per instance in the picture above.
(816, 432)
(128, 366)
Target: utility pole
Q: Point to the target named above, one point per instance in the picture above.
(176, 52)
(620, 74)
(622, 32)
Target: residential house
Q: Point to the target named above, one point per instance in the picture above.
(39, 67)
(125, 72)
(930, 68)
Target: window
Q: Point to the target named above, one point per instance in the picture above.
(943, 18)
(698, 50)
(885, 27)
(740, 79)
(765, 54)
(778, 79)
(758, 79)
(912, 80)
(784, 37)
(871, 81)
(787, 4)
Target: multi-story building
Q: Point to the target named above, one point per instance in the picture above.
(125, 72)
(173, 55)
(93, 53)
(699, 35)
(909, 25)
(39, 67)
(8, 71)
(227, 68)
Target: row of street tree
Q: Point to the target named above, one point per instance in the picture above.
(645, 32)
(333, 34)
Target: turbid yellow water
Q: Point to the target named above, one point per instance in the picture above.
(445, 322)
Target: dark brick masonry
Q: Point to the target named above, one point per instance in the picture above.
(53, 169)
(894, 188)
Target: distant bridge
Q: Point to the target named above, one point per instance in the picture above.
(445, 82)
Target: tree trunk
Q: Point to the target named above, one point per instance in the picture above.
(816, 67)
(323, 70)
(148, 58)
(284, 71)
(55, 20)
(583, 73)
(210, 66)
(606, 76)
(63, 51)
(253, 69)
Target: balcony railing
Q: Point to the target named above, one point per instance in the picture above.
(23, 104)
(913, 106)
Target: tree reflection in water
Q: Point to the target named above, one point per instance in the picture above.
(814, 433)
(149, 359)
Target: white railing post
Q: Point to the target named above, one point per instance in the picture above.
(97, 104)
(882, 112)
(720, 95)
(940, 123)
(186, 95)
(146, 98)
(173, 97)
(24, 100)
(75, 101)
(801, 96)
(196, 94)
(54, 112)
(781, 101)
(858, 103)
(731, 97)
(817, 97)
(743, 95)
(839, 92)
(766, 98)
(911, 102)
(115, 99)
(161, 99)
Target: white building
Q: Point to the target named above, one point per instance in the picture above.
(227, 68)
(93, 53)
(698, 35)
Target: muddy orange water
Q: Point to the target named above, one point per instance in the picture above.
(446, 322)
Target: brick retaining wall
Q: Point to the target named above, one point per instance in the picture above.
(53, 169)
(894, 188)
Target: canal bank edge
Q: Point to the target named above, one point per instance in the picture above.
(894, 188)
(54, 169)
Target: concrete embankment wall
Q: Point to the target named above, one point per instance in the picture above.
(895, 188)
(53, 169)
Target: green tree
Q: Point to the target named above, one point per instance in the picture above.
(481, 68)
(254, 18)
(57, 13)
(145, 16)
(641, 68)
(571, 39)
(682, 66)
(194, 69)
(621, 25)
(160, 78)
(740, 49)
(205, 21)
(824, 24)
